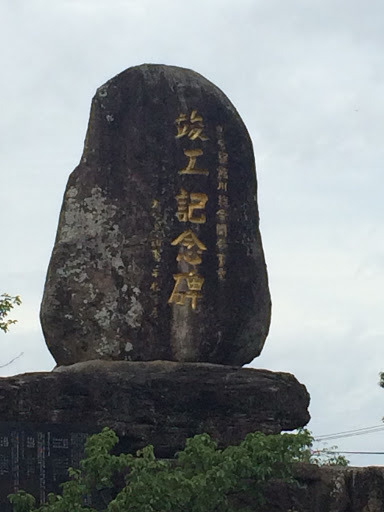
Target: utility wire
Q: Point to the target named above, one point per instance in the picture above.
(354, 453)
(354, 430)
(12, 360)
(350, 433)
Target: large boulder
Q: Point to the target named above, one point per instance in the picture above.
(157, 402)
(158, 252)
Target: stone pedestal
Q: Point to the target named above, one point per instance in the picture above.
(159, 402)
(46, 417)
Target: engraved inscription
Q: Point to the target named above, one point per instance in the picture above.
(223, 205)
(192, 127)
(192, 154)
(188, 203)
(187, 286)
(190, 208)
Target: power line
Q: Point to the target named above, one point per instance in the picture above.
(354, 430)
(12, 360)
(354, 453)
(350, 433)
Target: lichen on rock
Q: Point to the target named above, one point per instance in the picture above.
(158, 244)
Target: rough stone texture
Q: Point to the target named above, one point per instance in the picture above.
(319, 489)
(325, 489)
(136, 190)
(157, 402)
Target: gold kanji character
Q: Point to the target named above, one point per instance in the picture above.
(187, 285)
(192, 127)
(188, 203)
(221, 273)
(192, 154)
(195, 282)
(155, 272)
(222, 173)
(177, 297)
(223, 157)
(182, 206)
(222, 215)
(221, 258)
(223, 201)
(155, 286)
(155, 203)
(222, 230)
(156, 255)
(222, 244)
(222, 185)
(182, 126)
(193, 257)
(198, 202)
(189, 240)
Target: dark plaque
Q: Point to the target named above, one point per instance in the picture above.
(36, 458)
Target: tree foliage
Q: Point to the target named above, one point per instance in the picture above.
(7, 303)
(327, 457)
(202, 478)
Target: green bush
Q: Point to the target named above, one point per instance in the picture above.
(202, 478)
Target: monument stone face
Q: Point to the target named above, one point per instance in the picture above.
(158, 252)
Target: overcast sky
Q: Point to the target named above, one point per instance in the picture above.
(307, 77)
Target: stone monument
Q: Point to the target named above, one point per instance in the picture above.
(156, 292)
(158, 253)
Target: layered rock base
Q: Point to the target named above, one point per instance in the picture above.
(325, 489)
(159, 402)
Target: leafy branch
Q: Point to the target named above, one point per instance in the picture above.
(7, 303)
(202, 478)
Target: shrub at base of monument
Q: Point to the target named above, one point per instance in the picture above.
(200, 479)
(158, 253)
(263, 473)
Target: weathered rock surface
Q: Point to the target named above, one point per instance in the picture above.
(324, 489)
(162, 403)
(158, 253)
